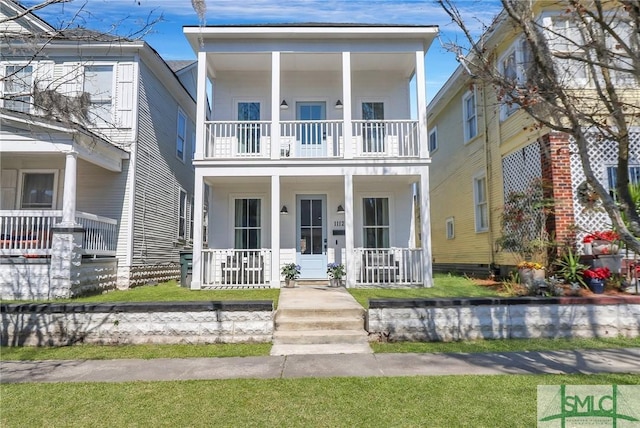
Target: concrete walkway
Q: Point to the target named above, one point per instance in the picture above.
(298, 366)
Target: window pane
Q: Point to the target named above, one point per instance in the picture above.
(305, 240)
(316, 240)
(370, 238)
(382, 212)
(37, 191)
(254, 238)
(254, 212)
(316, 213)
(305, 212)
(98, 83)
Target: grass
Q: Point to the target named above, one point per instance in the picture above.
(444, 286)
(145, 352)
(104, 352)
(171, 292)
(513, 345)
(434, 401)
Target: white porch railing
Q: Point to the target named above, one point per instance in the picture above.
(100, 234)
(28, 233)
(230, 268)
(238, 139)
(311, 139)
(388, 266)
(386, 138)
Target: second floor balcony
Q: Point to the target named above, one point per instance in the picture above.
(323, 139)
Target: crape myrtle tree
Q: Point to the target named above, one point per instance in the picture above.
(580, 75)
(29, 89)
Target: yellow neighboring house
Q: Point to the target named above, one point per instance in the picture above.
(482, 150)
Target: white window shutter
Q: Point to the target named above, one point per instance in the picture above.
(125, 74)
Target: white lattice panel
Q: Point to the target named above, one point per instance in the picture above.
(520, 169)
(602, 153)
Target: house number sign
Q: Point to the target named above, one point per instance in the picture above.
(338, 223)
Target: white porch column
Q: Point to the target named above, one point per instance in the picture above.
(346, 106)
(421, 98)
(425, 228)
(275, 231)
(201, 106)
(198, 220)
(275, 105)
(69, 193)
(349, 230)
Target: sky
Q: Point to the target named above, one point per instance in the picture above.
(167, 39)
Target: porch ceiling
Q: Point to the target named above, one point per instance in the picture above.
(404, 62)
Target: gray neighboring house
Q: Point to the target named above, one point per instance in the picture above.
(100, 202)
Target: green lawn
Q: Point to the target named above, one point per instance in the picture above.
(444, 286)
(433, 401)
(104, 352)
(172, 292)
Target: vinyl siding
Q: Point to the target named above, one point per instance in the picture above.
(159, 173)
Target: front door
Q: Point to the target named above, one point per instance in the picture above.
(312, 236)
(311, 137)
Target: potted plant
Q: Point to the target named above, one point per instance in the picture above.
(530, 272)
(336, 272)
(596, 277)
(601, 242)
(291, 271)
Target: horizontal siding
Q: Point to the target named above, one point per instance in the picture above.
(159, 174)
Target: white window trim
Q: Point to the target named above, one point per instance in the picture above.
(231, 212)
(465, 97)
(21, 174)
(434, 131)
(447, 222)
(546, 18)
(360, 214)
(476, 202)
(184, 139)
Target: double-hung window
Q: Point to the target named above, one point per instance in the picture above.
(247, 224)
(38, 190)
(376, 222)
(182, 215)
(509, 71)
(565, 38)
(470, 117)
(181, 135)
(98, 83)
(481, 207)
(18, 82)
(433, 140)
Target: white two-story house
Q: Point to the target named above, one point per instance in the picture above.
(314, 153)
(97, 136)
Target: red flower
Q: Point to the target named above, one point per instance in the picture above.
(597, 273)
(605, 235)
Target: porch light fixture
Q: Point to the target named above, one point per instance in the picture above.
(284, 210)
(340, 209)
(284, 105)
(338, 104)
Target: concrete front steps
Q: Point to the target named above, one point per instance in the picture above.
(316, 319)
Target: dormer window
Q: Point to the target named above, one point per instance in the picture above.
(18, 83)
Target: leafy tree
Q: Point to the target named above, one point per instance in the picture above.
(600, 40)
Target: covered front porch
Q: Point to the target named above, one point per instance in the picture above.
(374, 224)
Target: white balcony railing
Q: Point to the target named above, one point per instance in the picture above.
(312, 139)
(386, 138)
(230, 268)
(238, 139)
(28, 233)
(388, 266)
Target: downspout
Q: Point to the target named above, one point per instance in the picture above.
(487, 172)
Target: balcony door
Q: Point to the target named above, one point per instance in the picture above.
(248, 133)
(312, 236)
(311, 136)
